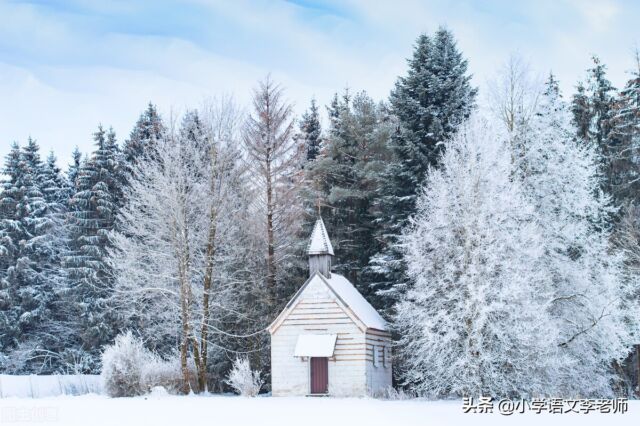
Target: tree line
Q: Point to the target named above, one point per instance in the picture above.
(504, 251)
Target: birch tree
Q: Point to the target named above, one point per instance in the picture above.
(170, 250)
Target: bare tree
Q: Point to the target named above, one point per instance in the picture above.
(222, 117)
(175, 252)
(513, 95)
(271, 155)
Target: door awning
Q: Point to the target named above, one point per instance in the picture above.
(316, 345)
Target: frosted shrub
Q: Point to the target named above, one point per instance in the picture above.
(122, 366)
(242, 379)
(167, 373)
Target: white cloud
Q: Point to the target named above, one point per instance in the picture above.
(599, 14)
(60, 77)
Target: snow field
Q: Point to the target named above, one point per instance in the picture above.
(161, 409)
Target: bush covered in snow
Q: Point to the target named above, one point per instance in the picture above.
(158, 372)
(129, 369)
(242, 379)
(123, 366)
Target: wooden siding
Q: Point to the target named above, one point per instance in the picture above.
(378, 376)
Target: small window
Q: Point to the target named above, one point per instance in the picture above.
(383, 353)
(375, 355)
(387, 356)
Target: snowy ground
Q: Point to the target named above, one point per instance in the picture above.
(161, 410)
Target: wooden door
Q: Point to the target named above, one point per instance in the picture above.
(319, 375)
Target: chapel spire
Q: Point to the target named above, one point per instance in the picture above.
(320, 250)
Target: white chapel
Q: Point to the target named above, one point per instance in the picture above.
(328, 340)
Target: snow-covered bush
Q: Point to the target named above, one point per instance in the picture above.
(166, 373)
(123, 366)
(242, 379)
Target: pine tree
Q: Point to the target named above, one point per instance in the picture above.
(311, 131)
(144, 137)
(593, 110)
(346, 178)
(429, 102)
(11, 234)
(93, 210)
(580, 110)
(31, 277)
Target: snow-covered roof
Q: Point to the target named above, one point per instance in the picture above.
(320, 243)
(356, 301)
(320, 345)
(347, 294)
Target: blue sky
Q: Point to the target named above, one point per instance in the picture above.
(66, 66)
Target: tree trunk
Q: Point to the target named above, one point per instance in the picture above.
(208, 278)
(181, 238)
(184, 345)
(271, 260)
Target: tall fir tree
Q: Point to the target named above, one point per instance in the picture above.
(580, 111)
(601, 101)
(10, 237)
(144, 137)
(31, 220)
(311, 131)
(429, 102)
(346, 177)
(74, 167)
(93, 211)
(593, 110)
(55, 184)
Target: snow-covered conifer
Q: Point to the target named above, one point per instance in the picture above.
(429, 102)
(311, 131)
(93, 209)
(347, 177)
(590, 302)
(474, 320)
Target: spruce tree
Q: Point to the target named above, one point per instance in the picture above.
(93, 211)
(144, 137)
(593, 111)
(580, 111)
(311, 131)
(347, 176)
(10, 236)
(429, 103)
(32, 212)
